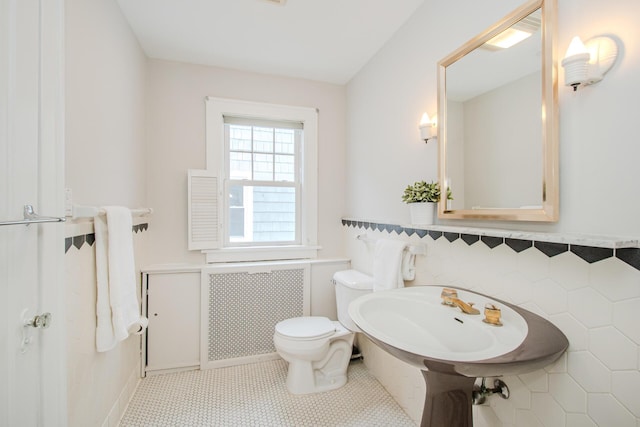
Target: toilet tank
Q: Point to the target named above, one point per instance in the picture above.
(350, 284)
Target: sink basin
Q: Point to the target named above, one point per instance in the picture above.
(415, 320)
(415, 326)
(452, 348)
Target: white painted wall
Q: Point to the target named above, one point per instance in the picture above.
(176, 143)
(105, 165)
(105, 116)
(598, 158)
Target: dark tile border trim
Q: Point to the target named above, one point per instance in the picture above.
(589, 254)
(435, 235)
(79, 240)
(629, 255)
(551, 249)
(452, 237)
(491, 241)
(518, 245)
(469, 239)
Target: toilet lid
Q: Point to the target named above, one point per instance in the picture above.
(312, 327)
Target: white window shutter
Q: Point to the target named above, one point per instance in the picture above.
(204, 210)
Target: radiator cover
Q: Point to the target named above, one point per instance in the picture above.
(243, 307)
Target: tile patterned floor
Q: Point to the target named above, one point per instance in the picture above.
(256, 395)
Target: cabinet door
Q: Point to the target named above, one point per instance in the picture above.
(173, 309)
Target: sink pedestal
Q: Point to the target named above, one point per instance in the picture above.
(448, 400)
(453, 349)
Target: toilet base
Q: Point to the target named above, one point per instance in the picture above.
(330, 373)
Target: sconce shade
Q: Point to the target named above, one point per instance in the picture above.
(587, 63)
(425, 132)
(575, 63)
(427, 127)
(576, 47)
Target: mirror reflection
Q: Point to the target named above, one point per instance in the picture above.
(498, 132)
(494, 103)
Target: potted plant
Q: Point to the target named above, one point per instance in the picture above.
(422, 197)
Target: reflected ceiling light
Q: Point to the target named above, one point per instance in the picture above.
(587, 63)
(508, 38)
(428, 127)
(516, 33)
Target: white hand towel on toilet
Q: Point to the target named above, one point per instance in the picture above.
(387, 264)
(117, 309)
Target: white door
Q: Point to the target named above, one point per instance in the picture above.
(32, 362)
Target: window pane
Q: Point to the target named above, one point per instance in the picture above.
(236, 198)
(239, 165)
(263, 167)
(236, 211)
(285, 141)
(284, 168)
(240, 138)
(263, 140)
(268, 214)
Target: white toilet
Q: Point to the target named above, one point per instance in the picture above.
(317, 349)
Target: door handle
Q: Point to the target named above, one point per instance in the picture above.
(41, 321)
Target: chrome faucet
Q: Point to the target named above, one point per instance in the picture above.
(450, 297)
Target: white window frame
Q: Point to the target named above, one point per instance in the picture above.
(216, 109)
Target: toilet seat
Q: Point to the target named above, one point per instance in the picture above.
(306, 328)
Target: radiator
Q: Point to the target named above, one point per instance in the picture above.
(242, 304)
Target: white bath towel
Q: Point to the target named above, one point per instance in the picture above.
(408, 265)
(117, 309)
(387, 264)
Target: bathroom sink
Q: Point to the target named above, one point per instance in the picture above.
(452, 347)
(414, 325)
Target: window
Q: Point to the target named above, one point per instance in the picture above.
(262, 160)
(262, 181)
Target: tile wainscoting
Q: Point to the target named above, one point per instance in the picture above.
(587, 286)
(588, 248)
(79, 240)
(99, 385)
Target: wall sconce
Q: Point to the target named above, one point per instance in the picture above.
(587, 63)
(428, 127)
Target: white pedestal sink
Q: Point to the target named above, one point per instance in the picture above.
(453, 348)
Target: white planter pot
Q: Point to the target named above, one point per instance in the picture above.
(422, 213)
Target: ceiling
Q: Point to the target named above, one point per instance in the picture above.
(323, 40)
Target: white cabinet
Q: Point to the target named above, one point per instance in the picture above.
(172, 303)
(173, 310)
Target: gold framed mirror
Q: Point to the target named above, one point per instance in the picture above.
(498, 121)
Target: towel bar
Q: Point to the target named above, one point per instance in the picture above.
(412, 248)
(31, 217)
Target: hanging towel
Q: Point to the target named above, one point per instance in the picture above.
(408, 266)
(387, 264)
(117, 310)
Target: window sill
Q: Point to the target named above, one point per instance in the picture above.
(262, 253)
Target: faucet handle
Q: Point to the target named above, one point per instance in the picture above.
(492, 315)
(447, 296)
